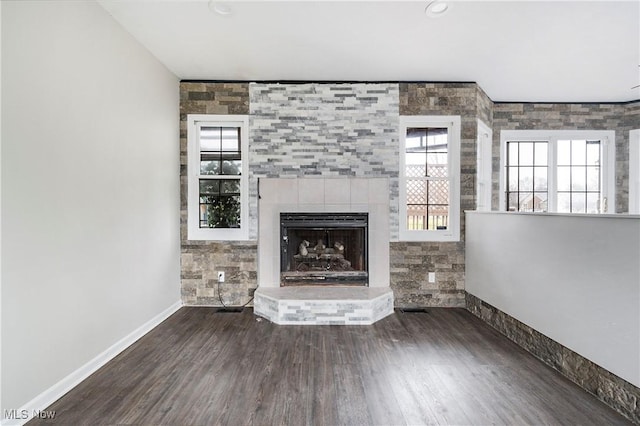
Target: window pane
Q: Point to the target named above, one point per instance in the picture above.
(231, 167)
(220, 139)
(564, 178)
(540, 178)
(578, 152)
(526, 154)
(512, 151)
(578, 202)
(438, 217)
(593, 203)
(416, 191)
(437, 158)
(230, 187)
(210, 138)
(593, 153)
(220, 211)
(415, 164)
(578, 178)
(564, 153)
(438, 171)
(512, 202)
(525, 202)
(209, 167)
(513, 178)
(540, 154)
(209, 187)
(540, 201)
(564, 202)
(438, 192)
(220, 151)
(437, 137)
(593, 178)
(417, 217)
(416, 140)
(526, 179)
(219, 203)
(230, 139)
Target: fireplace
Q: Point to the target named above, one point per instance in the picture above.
(324, 249)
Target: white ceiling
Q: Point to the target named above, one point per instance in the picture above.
(570, 51)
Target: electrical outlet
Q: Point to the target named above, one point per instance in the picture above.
(432, 277)
(220, 276)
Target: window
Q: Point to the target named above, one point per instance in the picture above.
(430, 178)
(561, 171)
(217, 167)
(527, 172)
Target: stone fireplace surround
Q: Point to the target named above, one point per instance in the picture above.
(325, 305)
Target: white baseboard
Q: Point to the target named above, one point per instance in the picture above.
(55, 392)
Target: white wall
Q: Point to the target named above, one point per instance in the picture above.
(634, 171)
(575, 279)
(90, 191)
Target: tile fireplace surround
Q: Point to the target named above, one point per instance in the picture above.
(323, 305)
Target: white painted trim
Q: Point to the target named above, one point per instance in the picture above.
(608, 138)
(55, 392)
(194, 232)
(1, 405)
(634, 171)
(453, 123)
(484, 171)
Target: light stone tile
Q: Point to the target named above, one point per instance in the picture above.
(311, 191)
(359, 191)
(378, 191)
(337, 191)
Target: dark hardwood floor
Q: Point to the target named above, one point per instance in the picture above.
(444, 366)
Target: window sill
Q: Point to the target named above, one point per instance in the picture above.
(429, 236)
(203, 234)
(602, 215)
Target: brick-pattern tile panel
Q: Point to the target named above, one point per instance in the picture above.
(214, 98)
(410, 264)
(200, 264)
(325, 129)
(485, 107)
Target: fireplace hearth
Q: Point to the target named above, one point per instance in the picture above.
(323, 249)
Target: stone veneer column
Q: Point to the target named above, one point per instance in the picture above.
(200, 260)
(411, 261)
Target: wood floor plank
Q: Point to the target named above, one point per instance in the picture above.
(444, 366)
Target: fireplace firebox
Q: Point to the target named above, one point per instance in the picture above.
(323, 249)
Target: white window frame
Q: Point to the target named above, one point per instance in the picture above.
(608, 166)
(484, 164)
(194, 123)
(453, 124)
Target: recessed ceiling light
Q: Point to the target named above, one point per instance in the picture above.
(220, 8)
(437, 8)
